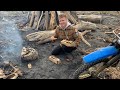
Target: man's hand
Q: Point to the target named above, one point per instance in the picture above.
(53, 38)
(68, 43)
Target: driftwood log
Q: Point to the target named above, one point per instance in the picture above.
(29, 54)
(91, 18)
(70, 17)
(42, 37)
(82, 25)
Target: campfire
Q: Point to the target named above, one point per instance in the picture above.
(9, 71)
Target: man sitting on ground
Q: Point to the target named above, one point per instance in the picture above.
(69, 36)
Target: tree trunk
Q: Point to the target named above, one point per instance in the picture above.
(91, 18)
(47, 17)
(53, 22)
(32, 18)
(85, 26)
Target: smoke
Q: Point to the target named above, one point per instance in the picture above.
(11, 41)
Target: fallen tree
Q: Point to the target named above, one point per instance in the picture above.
(91, 18)
(82, 25)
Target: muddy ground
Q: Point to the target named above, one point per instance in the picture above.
(43, 68)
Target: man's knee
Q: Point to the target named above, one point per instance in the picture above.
(69, 49)
(57, 50)
(54, 52)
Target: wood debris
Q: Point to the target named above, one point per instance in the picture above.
(29, 65)
(14, 73)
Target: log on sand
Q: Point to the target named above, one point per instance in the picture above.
(40, 36)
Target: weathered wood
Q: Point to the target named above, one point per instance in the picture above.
(70, 17)
(39, 36)
(53, 22)
(32, 18)
(39, 20)
(29, 54)
(83, 39)
(44, 37)
(42, 23)
(46, 20)
(91, 18)
(85, 26)
(74, 14)
(55, 60)
(36, 19)
(83, 33)
(28, 15)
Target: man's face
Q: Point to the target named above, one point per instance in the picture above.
(63, 22)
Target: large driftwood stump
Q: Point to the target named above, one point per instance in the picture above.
(53, 22)
(82, 25)
(91, 18)
(40, 36)
(70, 17)
(29, 54)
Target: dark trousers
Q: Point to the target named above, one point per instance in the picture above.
(62, 49)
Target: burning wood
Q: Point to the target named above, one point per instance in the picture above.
(14, 71)
(2, 75)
